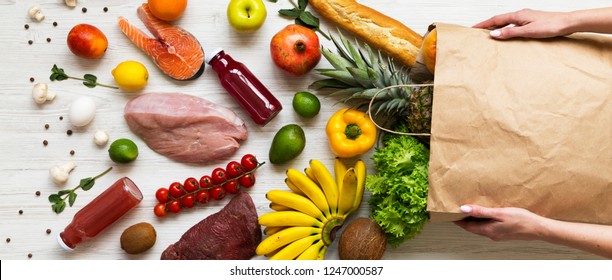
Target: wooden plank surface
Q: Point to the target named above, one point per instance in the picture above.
(25, 160)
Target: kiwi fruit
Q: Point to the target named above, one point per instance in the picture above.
(138, 238)
(362, 239)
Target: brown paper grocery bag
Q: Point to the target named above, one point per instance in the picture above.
(522, 123)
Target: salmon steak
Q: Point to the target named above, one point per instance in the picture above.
(175, 51)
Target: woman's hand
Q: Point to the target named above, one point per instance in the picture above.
(528, 23)
(502, 223)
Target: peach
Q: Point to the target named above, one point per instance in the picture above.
(87, 41)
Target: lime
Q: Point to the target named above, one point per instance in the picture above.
(123, 150)
(131, 75)
(306, 104)
(288, 143)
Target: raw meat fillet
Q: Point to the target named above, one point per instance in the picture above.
(185, 128)
(174, 50)
(230, 234)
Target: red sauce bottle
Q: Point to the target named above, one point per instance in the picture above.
(101, 212)
(244, 87)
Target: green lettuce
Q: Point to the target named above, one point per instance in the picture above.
(399, 189)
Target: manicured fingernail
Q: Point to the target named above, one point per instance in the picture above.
(495, 33)
(466, 209)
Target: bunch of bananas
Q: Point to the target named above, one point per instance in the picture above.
(306, 218)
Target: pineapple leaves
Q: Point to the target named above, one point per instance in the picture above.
(361, 76)
(341, 50)
(339, 63)
(342, 76)
(328, 83)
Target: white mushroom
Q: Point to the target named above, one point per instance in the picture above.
(101, 137)
(36, 14)
(82, 111)
(41, 93)
(60, 173)
(71, 3)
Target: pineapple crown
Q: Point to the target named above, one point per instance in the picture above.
(357, 75)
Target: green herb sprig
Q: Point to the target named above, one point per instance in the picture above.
(58, 201)
(302, 17)
(89, 80)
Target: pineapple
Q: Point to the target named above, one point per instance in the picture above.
(358, 75)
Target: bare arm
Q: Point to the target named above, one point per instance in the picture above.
(520, 224)
(541, 24)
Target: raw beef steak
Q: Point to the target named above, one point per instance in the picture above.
(230, 234)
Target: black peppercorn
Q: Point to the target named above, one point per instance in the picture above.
(105, 9)
(46, 126)
(26, 26)
(29, 255)
(84, 10)
(8, 240)
(20, 212)
(61, 118)
(55, 23)
(30, 42)
(37, 193)
(48, 40)
(31, 79)
(69, 132)
(72, 152)
(48, 231)
(45, 142)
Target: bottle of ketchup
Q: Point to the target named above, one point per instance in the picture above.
(244, 87)
(101, 212)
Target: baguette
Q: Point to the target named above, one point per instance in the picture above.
(376, 29)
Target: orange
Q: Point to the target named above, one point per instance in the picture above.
(429, 50)
(167, 10)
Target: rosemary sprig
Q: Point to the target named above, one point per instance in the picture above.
(59, 200)
(89, 80)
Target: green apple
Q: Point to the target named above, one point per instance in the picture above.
(246, 15)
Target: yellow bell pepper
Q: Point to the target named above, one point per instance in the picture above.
(350, 133)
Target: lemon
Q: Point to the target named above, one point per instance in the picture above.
(131, 75)
(306, 104)
(123, 150)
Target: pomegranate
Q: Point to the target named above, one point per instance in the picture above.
(295, 49)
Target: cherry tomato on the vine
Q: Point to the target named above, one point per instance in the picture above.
(247, 181)
(174, 206)
(162, 195)
(176, 189)
(206, 182)
(160, 210)
(217, 193)
(202, 196)
(219, 176)
(191, 185)
(232, 187)
(248, 162)
(234, 169)
(188, 200)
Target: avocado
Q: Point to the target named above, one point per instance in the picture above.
(288, 143)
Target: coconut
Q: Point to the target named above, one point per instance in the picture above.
(362, 239)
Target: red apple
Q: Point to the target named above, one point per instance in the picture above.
(87, 41)
(295, 49)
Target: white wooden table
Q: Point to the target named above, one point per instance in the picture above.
(25, 160)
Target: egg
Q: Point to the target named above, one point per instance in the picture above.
(82, 111)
